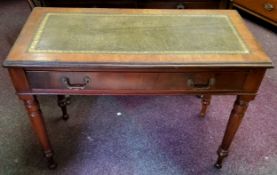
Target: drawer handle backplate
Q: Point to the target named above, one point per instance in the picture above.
(268, 6)
(210, 84)
(68, 85)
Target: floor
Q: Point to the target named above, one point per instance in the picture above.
(136, 135)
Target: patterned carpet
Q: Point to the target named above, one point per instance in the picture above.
(154, 135)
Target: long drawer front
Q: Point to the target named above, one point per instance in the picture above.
(128, 82)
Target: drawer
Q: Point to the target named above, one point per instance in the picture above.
(136, 81)
(179, 4)
(266, 8)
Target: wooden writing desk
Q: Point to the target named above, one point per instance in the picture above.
(135, 52)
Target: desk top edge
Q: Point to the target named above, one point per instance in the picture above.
(25, 64)
(259, 58)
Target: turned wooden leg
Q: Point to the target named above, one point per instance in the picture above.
(36, 118)
(235, 119)
(206, 100)
(63, 101)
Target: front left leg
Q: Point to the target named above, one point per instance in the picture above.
(235, 119)
(36, 118)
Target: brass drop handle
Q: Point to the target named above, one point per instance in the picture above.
(69, 85)
(180, 6)
(268, 6)
(210, 84)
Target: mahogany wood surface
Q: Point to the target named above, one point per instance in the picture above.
(135, 74)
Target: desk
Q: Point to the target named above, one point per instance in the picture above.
(66, 51)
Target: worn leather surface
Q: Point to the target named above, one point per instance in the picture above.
(136, 34)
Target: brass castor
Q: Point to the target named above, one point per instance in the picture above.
(65, 117)
(218, 166)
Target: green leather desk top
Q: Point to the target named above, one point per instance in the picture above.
(137, 34)
(135, 37)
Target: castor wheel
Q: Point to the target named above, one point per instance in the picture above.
(65, 117)
(218, 166)
(52, 164)
(202, 114)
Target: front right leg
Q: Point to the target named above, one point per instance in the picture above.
(236, 116)
(36, 118)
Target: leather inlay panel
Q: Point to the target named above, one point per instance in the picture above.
(137, 34)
